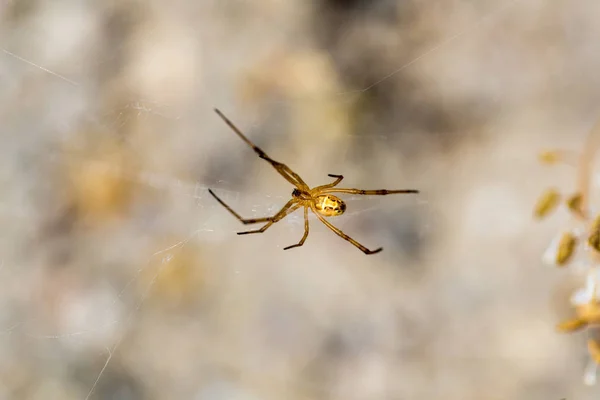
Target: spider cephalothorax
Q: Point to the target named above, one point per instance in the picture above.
(319, 200)
(298, 194)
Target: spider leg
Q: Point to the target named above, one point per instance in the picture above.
(283, 169)
(247, 221)
(301, 242)
(288, 174)
(379, 192)
(289, 208)
(338, 179)
(344, 236)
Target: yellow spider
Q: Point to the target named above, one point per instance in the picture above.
(318, 199)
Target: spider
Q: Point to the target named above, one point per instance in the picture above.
(319, 200)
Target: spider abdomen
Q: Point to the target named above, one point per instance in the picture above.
(329, 205)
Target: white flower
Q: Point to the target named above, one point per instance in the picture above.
(591, 373)
(586, 295)
(564, 248)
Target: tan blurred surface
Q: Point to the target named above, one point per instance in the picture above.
(123, 279)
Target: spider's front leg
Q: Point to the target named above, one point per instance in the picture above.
(338, 179)
(283, 169)
(244, 221)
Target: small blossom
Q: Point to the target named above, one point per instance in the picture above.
(561, 249)
(594, 237)
(550, 157)
(590, 376)
(547, 203)
(591, 291)
(594, 350)
(591, 373)
(580, 242)
(587, 307)
(553, 157)
(575, 204)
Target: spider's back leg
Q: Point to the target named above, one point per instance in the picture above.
(244, 221)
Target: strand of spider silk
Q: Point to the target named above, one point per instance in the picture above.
(591, 148)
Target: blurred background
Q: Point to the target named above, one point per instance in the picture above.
(123, 279)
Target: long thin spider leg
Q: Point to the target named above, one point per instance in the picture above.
(288, 174)
(344, 236)
(338, 179)
(379, 192)
(234, 128)
(283, 169)
(285, 211)
(247, 221)
(301, 242)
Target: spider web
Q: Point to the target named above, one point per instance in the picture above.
(102, 314)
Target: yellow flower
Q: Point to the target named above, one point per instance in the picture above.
(587, 306)
(547, 203)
